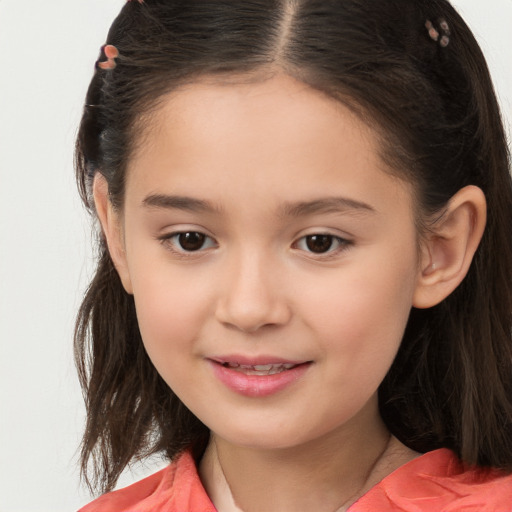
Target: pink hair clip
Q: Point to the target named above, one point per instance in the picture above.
(111, 52)
(444, 38)
(140, 1)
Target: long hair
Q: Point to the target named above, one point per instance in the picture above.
(437, 117)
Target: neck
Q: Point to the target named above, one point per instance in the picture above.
(333, 471)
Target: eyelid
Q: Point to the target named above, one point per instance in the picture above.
(170, 230)
(166, 239)
(343, 244)
(340, 245)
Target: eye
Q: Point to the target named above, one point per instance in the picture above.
(320, 243)
(188, 241)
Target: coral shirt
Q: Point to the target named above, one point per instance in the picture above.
(434, 482)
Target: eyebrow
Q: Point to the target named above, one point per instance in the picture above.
(189, 204)
(326, 205)
(292, 209)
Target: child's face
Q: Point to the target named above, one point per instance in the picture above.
(301, 250)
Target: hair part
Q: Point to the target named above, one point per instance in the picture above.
(437, 117)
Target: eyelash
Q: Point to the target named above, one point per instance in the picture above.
(341, 245)
(171, 241)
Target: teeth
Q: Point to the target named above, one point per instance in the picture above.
(263, 367)
(260, 369)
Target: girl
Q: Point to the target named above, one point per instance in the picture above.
(303, 290)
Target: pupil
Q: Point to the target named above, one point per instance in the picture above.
(319, 243)
(191, 241)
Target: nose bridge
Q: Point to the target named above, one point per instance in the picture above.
(252, 296)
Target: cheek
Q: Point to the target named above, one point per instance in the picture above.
(170, 311)
(365, 333)
(360, 342)
(169, 321)
(362, 314)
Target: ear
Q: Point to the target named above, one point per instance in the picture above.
(449, 247)
(111, 225)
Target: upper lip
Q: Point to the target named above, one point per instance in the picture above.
(255, 360)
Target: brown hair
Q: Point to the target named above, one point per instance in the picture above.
(434, 106)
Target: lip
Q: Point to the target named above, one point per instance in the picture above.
(254, 360)
(257, 385)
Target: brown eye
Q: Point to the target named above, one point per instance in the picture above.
(187, 242)
(191, 241)
(319, 243)
(322, 244)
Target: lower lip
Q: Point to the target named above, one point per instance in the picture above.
(258, 385)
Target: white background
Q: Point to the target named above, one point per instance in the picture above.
(47, 53)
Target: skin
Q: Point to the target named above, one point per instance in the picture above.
(260, 155)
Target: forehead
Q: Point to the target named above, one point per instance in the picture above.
(278, 137)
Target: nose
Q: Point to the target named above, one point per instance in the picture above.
(252, 296)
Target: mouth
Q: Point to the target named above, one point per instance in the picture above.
(260, 369)
(258, 376)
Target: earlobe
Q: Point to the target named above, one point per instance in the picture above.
(111, 227)
(450, 246)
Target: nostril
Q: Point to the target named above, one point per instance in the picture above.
(250, 299)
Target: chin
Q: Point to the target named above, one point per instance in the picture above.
(266, 437)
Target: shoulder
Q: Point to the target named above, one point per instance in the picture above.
(176, 488)
(438, 482)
